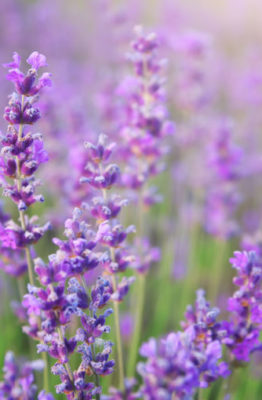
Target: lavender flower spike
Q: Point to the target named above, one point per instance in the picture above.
(245, 307)
(18, 383)
(22, 153)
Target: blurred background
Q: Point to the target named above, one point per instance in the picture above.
(210, 206)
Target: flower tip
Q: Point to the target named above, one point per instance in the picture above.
(36, 60)
(15, 63)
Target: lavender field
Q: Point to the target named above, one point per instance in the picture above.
(131, 201)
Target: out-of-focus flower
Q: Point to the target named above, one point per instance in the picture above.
(18, 381)
(245, 307)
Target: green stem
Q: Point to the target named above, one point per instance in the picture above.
(30, 266)
(200, 394)
(97, 381)
(138, 325)
(219, 268)
(121, 375)
(228, 386)
(140, 295)
(46, 375)
(20, 284)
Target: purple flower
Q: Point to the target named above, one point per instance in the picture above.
(100, 152)
(222, 199)
(18, 381)
(22, 153)
(148, 255)
(26, 84)
(36, 60)
(245, 324)
(122, 289)
(183, 361)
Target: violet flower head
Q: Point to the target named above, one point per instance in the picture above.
(183, 361)
(245, 307)
(110, 236)
(18, 381)
(62, 300)
(22, 153)
(144, 128)
(27, 84)
(148, 255)
(12, 261)
(222, 198)
(192, 84)
(75, 255)
(145, 122)
(168, 368)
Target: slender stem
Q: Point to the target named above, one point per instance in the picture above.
(121, 375)
(138, 325)
(30, 266)
(200, 394)
(227, 388)
(140, 296)
(97, 381)
(46, 375)
(218, 275)
(20, 284)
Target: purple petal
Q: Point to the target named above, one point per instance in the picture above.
(15, 63)
(36, 60)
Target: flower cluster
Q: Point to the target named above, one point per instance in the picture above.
(101, 175)
(18, 383)
(22, 152)
(183, 361)
(11, 259)
(146, 122)
(245, 307)
(191, 81)
(66, 309)
(75, 255)
(222, 198)
(65, 298)
(56, 305)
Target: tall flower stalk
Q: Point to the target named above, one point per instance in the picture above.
(101, 176)
(22, 154)
(142, 132)
(65, 302)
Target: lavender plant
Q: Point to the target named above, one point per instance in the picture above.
(181, 362)
(211, 204)
(18, 383)
(143, 129)
(22, 154)
(110, 235)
